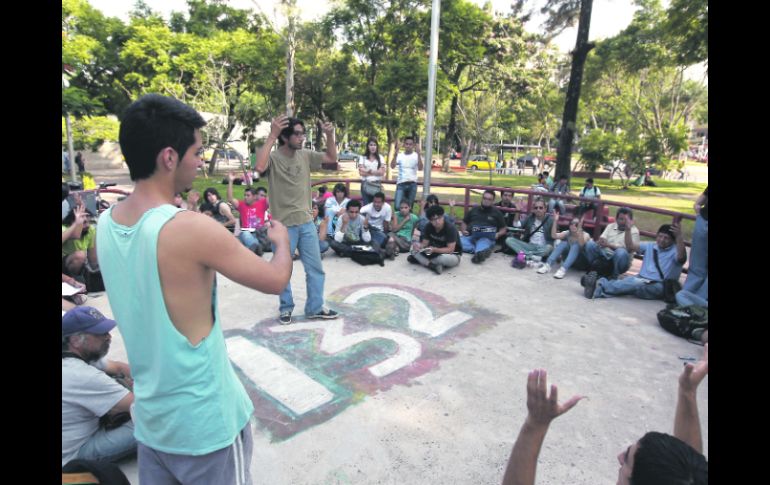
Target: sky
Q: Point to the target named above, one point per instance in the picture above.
(607, 19)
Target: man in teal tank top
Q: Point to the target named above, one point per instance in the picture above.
(191, 413)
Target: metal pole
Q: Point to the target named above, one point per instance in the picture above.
(291, 6)
(434, 22)
(73, 173)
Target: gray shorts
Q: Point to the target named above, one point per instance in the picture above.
(228, 466)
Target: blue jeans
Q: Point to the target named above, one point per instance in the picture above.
(700, 297)
(554, 202)
(621, 260)
(111, 445)
(629, 286)
(247, 239)
(305, 237)
(323, 246)
(474, 244)
(408, 190)
(698, 270)
(573, 249)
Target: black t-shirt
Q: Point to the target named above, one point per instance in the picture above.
(508, 216)
(443, 238)
(479, 219)
(704, 211)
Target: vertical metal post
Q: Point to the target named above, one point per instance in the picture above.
(434, 23)
(73, 173)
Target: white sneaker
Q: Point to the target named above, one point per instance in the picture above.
(544, 268)
(560, 273)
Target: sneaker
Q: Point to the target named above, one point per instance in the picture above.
(436, 267)
(544, 268)
(325, 313)
(412, 259)
(476, 259)
(590, 284)
(583, 278)
(285, 318)
(560, 273)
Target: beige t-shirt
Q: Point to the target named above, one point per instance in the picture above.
(288, 180)
(616, 237)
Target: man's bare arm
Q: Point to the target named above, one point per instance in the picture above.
(331, 145)
(230, 197)
(263, 154)
(687, 422)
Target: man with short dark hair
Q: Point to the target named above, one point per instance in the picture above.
(408, 164)
(377, 217)
(536, 240)
(439, 246)
(656, 458)
(506, 200)
(288, 175)
(612, 243)
(351, 231)
(589, 192)
(159, 265)
(561, 187)
(663, 259)
(90, 396)
(481, 227)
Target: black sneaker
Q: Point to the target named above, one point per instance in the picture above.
(590, 284)
(436, 267)
(476, 258)
(325, 314)
(483, 255)
(285, 318)
(412, 259)
(583, 278)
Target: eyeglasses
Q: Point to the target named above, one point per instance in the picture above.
(539, 208)
(299, 133)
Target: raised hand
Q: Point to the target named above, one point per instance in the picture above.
(230, 177)
(328, 128)
(544, 408)
(693, 374)
(278, 124)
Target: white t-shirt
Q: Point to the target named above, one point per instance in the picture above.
(87, 394)
(591, 193)
(407, 167)
(376, 218)
(370, 165)
(539, 236)
(331, 207)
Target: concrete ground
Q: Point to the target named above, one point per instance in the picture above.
(449, 396)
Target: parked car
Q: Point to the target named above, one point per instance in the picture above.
(528, 160)
(347, 155)
(480, 162)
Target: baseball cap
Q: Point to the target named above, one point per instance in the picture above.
(85, 319)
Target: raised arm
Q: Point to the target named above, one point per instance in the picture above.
(331, 144)
(554, 228)
(542, 409)
(419, 159)
(681, 252)
(631, 247)
(686, 422)
(230, 198)
(263, 154)
(76, 229)
(395, 155)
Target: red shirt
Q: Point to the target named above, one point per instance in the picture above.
(255, 212)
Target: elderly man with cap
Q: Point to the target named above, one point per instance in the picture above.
(663, 259)
(96, 424)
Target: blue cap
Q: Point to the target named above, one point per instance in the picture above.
(85, 319)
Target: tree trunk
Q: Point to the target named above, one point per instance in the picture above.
(568, 128)
(451, 132)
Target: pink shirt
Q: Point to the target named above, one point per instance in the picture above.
(254, 212)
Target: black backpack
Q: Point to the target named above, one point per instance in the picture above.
(366, 257)
(682, 321)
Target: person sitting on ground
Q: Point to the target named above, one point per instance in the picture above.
(589, 192)
(377, 216)
(352, 230)
(663, 259)
(611, 245)
(573, 243)
(320, 222)
(656, 458)
(78, 238)
(179, 201)
(220, 211)
(506, 200)
(402, 227)
(193, 200)
(334, 207)
(439, 246)
(252, 208)
(536, 239)
(481, 227)
(432, 200)
(96, 424)
(562, 187)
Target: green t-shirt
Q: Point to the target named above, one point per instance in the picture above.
(289, 185)
(406, 229)
(83, 244)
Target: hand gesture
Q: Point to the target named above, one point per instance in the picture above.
(556, 214)
(80, 215)
(693, 374)
(278, 124)
(193, 197)
(544, 408)
(603, 242)
(629, 222)
(328, 128)
(230, 177)
(676, 228)
(452, 203)
(277, 233)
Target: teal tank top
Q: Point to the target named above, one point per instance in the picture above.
(187, 399)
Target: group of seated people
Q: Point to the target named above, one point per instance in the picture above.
(79, 265)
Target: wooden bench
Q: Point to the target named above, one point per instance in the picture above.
(82, 478)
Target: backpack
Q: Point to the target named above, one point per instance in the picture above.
(603, 267)
(682, 321)
(366, 257)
